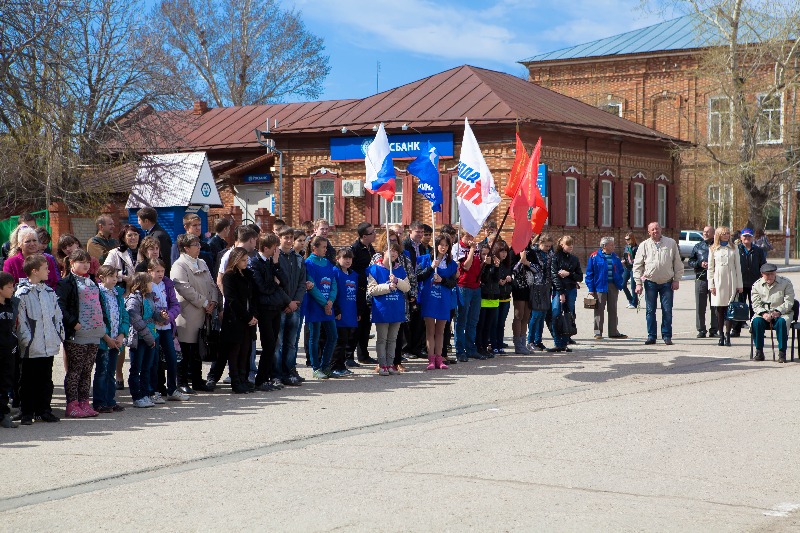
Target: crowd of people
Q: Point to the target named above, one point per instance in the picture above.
(168, 306)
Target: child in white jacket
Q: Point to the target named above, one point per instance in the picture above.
(40, 331)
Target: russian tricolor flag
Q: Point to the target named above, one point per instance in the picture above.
(380, 168)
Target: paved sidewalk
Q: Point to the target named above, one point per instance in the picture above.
(616, 436)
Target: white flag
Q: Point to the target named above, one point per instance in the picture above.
(475, 191)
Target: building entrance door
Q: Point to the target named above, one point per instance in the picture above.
(252, 197)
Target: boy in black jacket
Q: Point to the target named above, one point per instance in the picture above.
(9, 349)
(272, 300)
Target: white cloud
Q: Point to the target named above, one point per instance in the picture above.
(422, 27)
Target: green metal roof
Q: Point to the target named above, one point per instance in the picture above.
(677, 34)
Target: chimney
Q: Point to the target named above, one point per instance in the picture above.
(200, 107)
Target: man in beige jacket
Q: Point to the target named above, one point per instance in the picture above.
(773, 304)
(658, 269)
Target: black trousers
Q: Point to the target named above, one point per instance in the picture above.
(191, 367)
(7, 368)
(269, 324)
(340, 351)
(36, 385)
(359, 342)
(414, 333)
(239, 357)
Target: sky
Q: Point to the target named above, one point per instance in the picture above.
(413, 39)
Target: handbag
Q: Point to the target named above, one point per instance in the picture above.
(208, 340)
(589, 302)
(738, 311)
(565, 324)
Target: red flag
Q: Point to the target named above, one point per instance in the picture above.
(517, 170)
(528, 200)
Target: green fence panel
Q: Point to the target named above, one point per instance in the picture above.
(7, 226)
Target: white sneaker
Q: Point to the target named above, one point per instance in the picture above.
(177, 396)
(143, 402)
(227, 379)
(157, 399)
(631, 306)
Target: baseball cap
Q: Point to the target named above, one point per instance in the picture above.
(747, 231)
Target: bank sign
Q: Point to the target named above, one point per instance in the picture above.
(402, 146)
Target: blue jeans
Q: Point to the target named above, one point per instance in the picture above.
(500, 329)
(286, 345)
(569, 305)
(665, 293)
(536, 326)
(629, 280)
(167, 344)
(142, 359)
(469, 311)
(331, 335)
(104, 387)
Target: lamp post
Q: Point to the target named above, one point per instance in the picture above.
(269, 144)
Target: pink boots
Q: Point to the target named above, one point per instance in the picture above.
(431, 362)
(82, 409)
(436, 361)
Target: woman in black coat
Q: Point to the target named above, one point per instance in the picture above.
(566, 274)
(239, 318)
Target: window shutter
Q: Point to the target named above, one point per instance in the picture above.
(631, 205)
(446, 180)
(409, 190)
(671, 207)
(372, 208)
(558, 199)
(599, 203)
(619, 201)
(584, 202)
(306, 200)
(650, 203)
(338, 201)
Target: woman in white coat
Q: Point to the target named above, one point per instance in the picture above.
(724, 279)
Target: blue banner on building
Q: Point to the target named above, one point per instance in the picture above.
(402, 146)
(258, 178)
(541, 179)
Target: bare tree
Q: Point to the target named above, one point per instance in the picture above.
(240, 52)
(749, 70)
(68, 71)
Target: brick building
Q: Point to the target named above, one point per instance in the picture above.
(650, 76)
(605, 174)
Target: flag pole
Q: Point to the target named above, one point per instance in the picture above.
(433, 231)
(388, 240)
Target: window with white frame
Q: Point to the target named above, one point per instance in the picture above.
(615, 108)
(661, 203)
(606, 203)
(323, 206)
(773, 212)
(770, 119)
(720, 205)
(572, 201)
(455, 217)
(395, 207)
(638, 205)
(720, 126)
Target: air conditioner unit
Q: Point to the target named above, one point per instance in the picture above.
(352, 188)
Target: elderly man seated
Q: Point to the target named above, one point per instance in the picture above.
(773, 298)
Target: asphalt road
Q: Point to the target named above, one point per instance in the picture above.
(615, 436)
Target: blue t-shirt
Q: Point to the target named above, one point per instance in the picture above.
(436, 299)
(391, 307)
(347, 285)
(320, 272)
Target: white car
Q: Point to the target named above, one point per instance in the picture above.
(688, 238)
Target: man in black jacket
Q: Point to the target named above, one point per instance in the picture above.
(272, 300)
(752, 258)
(413, 331)
(219, 242)
(702, 296)
(362, 256)
(148, 221)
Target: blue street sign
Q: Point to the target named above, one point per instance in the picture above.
(258, 178)
(541, 179)
(402, 146)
